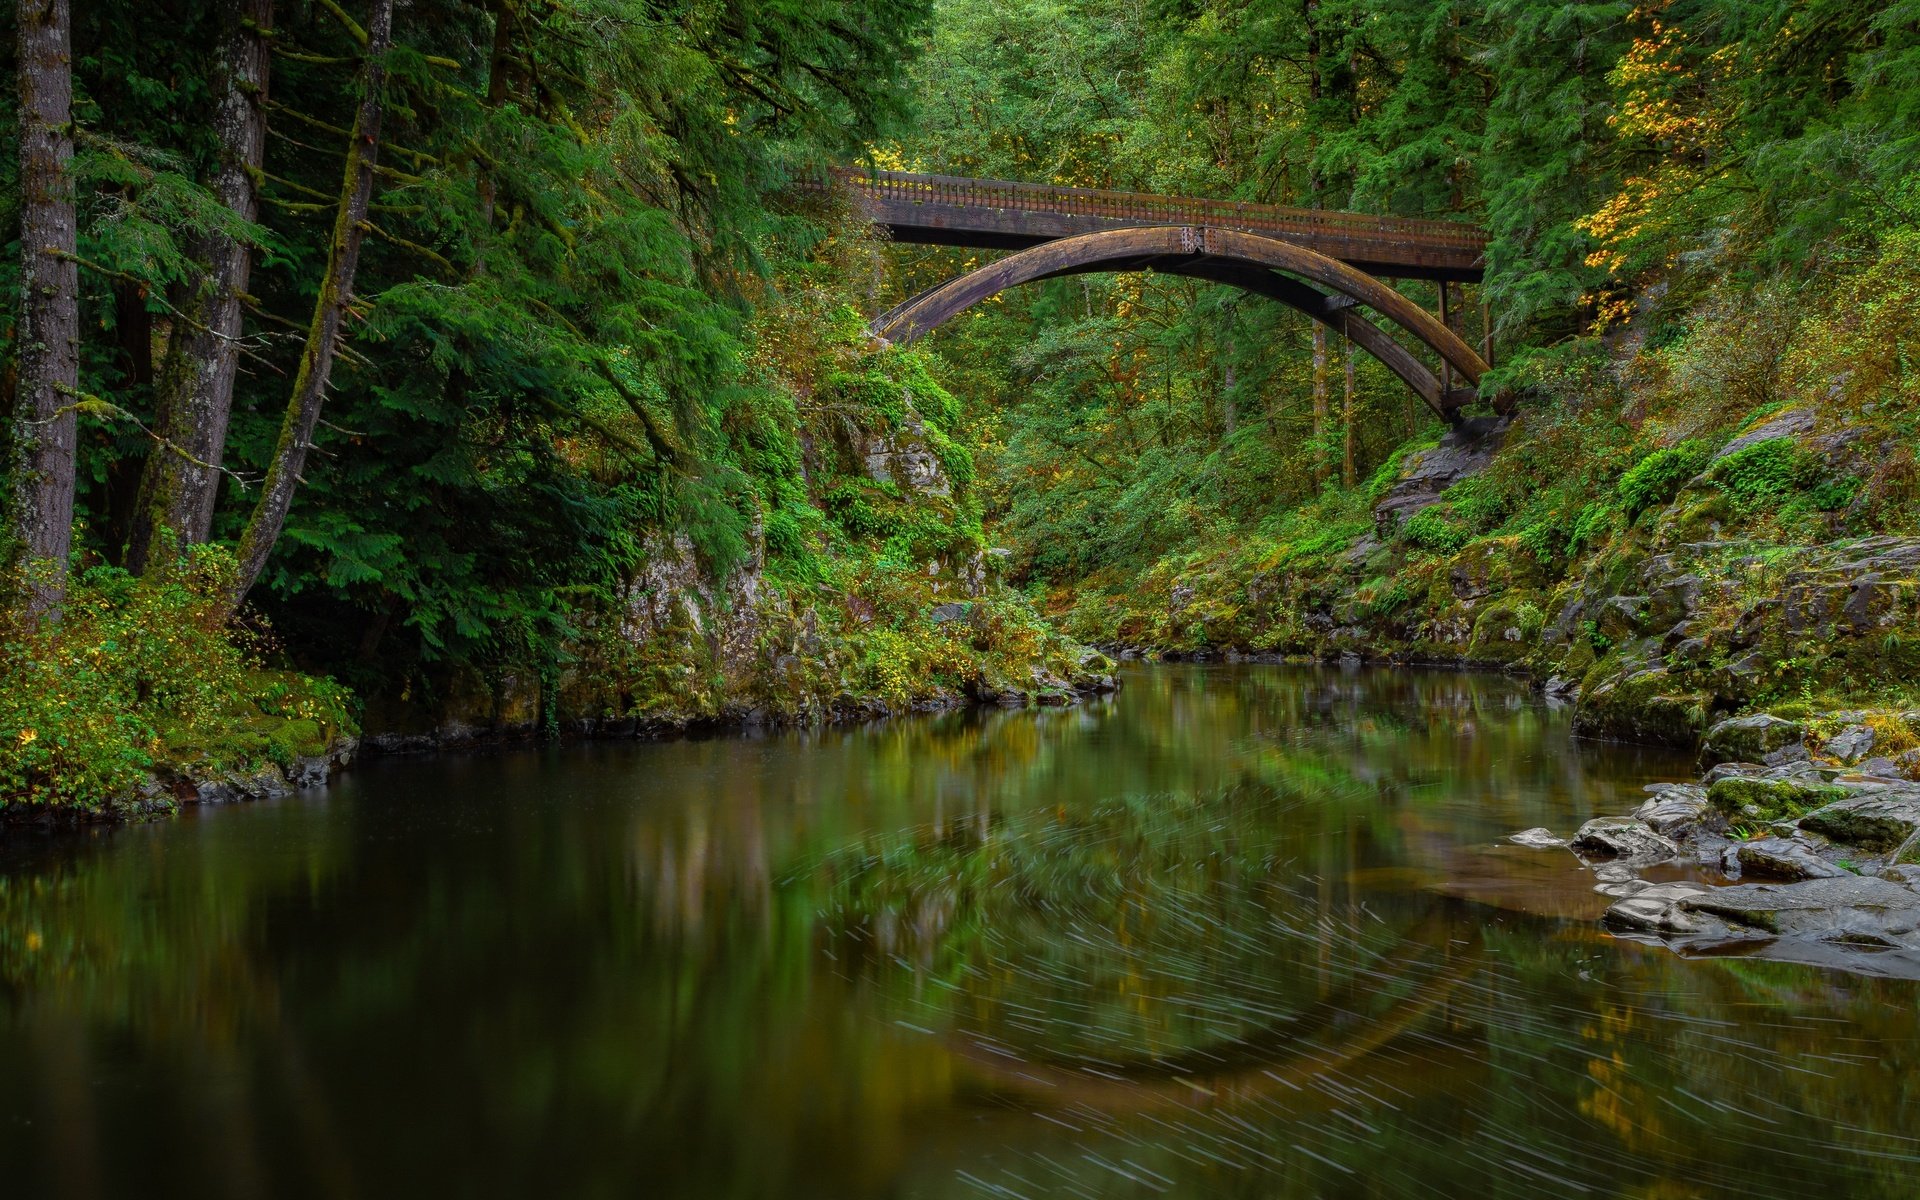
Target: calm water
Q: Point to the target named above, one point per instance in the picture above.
(1240, 931)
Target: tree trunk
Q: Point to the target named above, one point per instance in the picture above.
(1319, 402)
(48, 336)
(329, 312)
(182, 476)
(1346, 422)
(1229, 383)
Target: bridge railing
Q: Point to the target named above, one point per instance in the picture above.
(1140, 206)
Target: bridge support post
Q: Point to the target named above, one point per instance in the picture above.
(1446, 371)
(1486, 331)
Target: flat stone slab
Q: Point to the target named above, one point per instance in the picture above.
(1539, 837)
(1623, 838)
(1849, 910)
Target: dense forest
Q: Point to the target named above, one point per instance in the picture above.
(452, 367)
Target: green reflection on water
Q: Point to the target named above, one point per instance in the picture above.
(1240, 931)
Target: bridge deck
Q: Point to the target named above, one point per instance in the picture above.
(1004, 214)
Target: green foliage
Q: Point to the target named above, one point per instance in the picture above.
(142, 675)
(1589, 527)
(1656, 479)
(1434, 528)
(1766, 473)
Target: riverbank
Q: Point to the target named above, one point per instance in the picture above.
(1700, 580)
(1790, 846)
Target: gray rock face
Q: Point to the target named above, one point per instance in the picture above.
(1853, 909)
(1882, 818)
(1781, 858)
(1750, 739)
(958, 610)
(1787, 424)
(1850, 745)
(1622, 838)
(1466, 450)
(1674, 808)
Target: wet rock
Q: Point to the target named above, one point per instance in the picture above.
(957, 610)
(1781, 858)
(1750, 739)
(1539, 838)
(1883, 819)
(1857, 910)
(1560, 687)
(1622, 838)
(1732, 770)
(309, 772)
(1674, 809)
(216, 791)
(1657, 910)
(1847, 910)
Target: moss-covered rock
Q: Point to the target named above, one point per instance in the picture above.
(1769, 799)
(1750, 739)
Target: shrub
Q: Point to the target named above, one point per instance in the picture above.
(1765, 473)
(1594, 521)
(1655, 480)
(139, 672)
(1433, 528)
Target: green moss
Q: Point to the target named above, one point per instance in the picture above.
(1770, 799)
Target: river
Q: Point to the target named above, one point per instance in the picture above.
(1242, 931)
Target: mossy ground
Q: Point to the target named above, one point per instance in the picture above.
(144, 677)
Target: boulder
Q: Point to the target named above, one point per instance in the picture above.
(1850, 745)
(1673, 600)
(1657, 909)
(1674, 809)
(1858, 910)
(1621, 617)
(1782, 858)
(1882, 819)
(1769, 799)
(1750, 739)
(1622, 838)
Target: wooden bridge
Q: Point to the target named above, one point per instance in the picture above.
(1329, 265)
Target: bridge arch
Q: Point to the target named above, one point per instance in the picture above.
(1264, 265)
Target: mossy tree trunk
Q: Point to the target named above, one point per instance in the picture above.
(329, 313)
(48, 333)
(182, 475)
(1347, 422)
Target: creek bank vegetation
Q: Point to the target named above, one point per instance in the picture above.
(415, 373)
(1701, 288)
(473, 368)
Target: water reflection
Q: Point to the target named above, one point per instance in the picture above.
(1237, 932)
